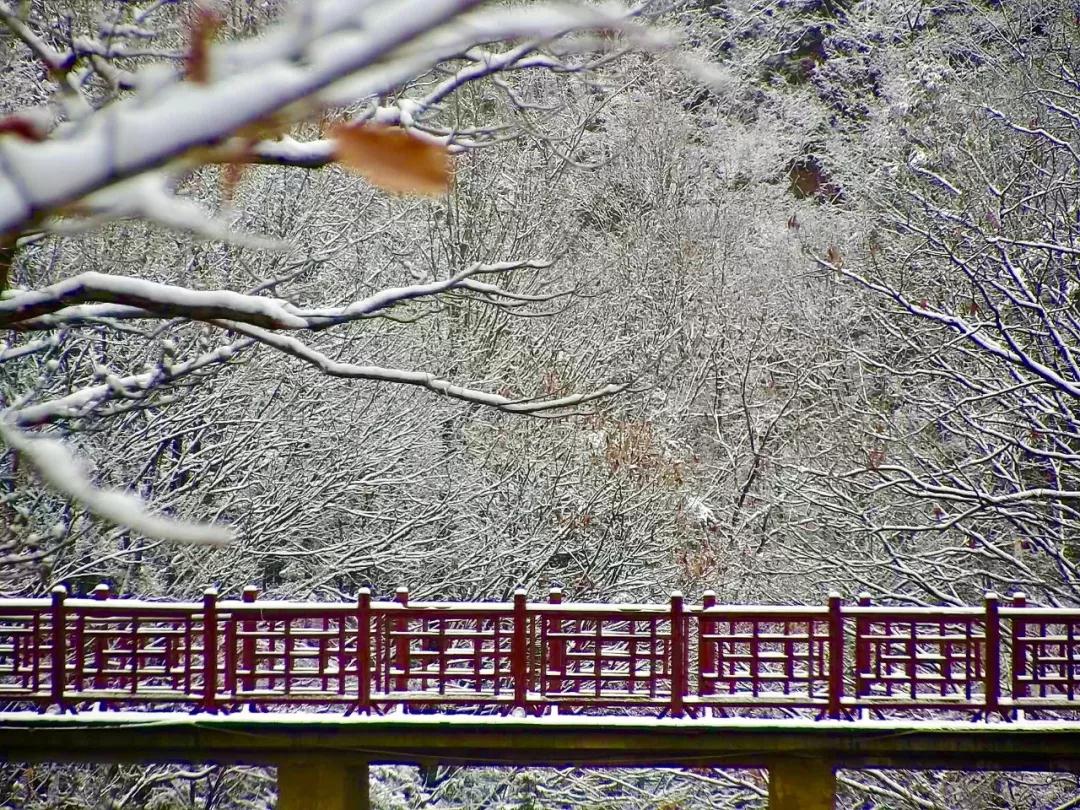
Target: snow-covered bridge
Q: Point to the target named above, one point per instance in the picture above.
(322, 689)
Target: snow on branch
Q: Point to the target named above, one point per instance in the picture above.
(130, 387)
(62, 471)
(165, 300)
(334, 368)
(385, 299)
(406, 112)
(1009, 351)
(323, 54)
(130, 297)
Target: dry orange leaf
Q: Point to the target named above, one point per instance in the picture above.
(392, 159)
(834, 257)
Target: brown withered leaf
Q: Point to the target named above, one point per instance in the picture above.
(833, 257)
(392, 159)
(202, 29)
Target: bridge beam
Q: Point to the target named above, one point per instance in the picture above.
(802, 783)
(323, 785)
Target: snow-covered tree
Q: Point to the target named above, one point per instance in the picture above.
(171, 115)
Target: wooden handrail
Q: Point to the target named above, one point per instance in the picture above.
(678, 659)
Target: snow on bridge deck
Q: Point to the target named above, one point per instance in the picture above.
(296, 737)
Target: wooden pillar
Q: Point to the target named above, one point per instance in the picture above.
(802, 783)
(323, 786)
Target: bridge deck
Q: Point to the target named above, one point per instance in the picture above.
(282, 739)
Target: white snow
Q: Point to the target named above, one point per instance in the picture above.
(59, 468)
(79, 402)
(699, 511)
(385, 45)
(164, 298)
(98, 719)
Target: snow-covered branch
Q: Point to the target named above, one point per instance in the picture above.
(324, 54)
(334, 368)
(62, 471)
(126, 297)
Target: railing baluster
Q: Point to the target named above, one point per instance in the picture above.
(654, 656)
(945, 648)
(519, 651)
(210, 645)
(677, 651)
(1070, 660)
(1019, 653)
(58, 663)
(37, 652)
(230, 682)
(755, 657)
(187, 653)
(706, 647)
(342, 655)
(598, 652)
(442, 651)
(556, 648)
(100, 593)
(363, 650)
(77, 652)
(401, 645)
(478, 654)
(324, 653)
(134, 665)
(992, 641)
(249, 595)
(836, 656)
(287, 654)
(862, 650)
(911, 657)
(496, 655)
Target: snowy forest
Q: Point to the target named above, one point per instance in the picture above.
(769, 297)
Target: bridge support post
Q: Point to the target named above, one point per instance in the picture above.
(323, 786)
(802, 783)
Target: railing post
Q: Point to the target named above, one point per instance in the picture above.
(249, 595)
(678, 655)
(556, 653)
(862, 647)
(519, 650)
(1019, 653)
(401, 645)
(836, 656)
(363, 649)
(58, 661)
(706, 648)
(992, 634)
(210, 645)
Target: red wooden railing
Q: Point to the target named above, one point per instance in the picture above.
(834, 661)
